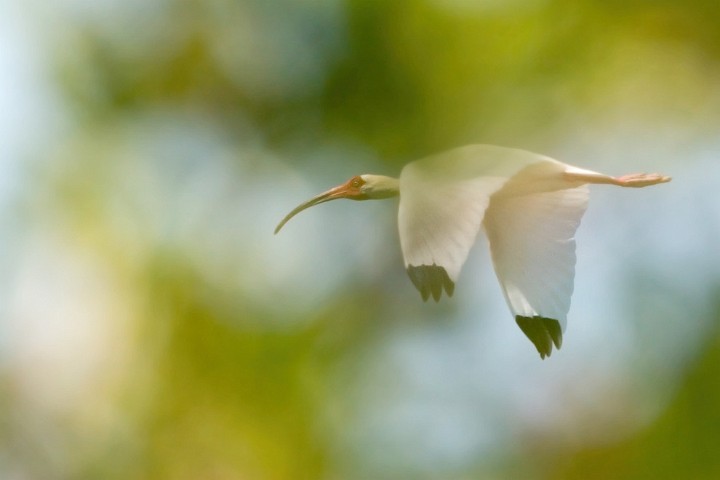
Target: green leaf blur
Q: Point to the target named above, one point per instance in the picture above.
(154, 328)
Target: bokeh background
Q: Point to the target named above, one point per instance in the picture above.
(152, 327)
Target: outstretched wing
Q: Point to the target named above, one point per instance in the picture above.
(438, 226)
(443, 200)
(533, 250)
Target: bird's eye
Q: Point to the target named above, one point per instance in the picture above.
(356, 183)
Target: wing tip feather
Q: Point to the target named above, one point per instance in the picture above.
(543, 333)
(430, 280)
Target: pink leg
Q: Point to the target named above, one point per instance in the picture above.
(635, 180)
(639, 180)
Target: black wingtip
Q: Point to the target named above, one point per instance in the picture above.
(449, 287)
(543, 333)
(431, 280)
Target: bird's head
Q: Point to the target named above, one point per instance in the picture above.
(359, 187)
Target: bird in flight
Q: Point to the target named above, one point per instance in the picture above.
(528, 205)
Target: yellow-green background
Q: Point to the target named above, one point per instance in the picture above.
(151, 326)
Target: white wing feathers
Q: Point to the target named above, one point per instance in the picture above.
(444, 221)
(442, 204)
(533, 250)
(530, 213)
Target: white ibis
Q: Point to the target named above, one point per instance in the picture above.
(529, 205)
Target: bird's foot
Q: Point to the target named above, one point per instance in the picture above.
(638, 180)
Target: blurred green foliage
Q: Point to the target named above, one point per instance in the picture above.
(680, 443)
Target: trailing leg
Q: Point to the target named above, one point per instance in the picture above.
(634, 180)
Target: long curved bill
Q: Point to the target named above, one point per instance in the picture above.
(334, 193)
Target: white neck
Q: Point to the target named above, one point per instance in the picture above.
(380, 186)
